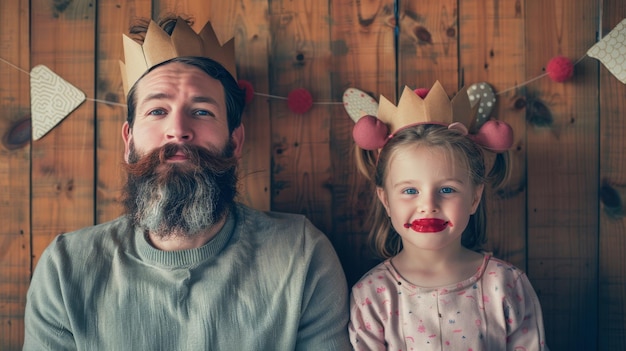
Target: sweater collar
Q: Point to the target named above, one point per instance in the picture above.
(185, 258)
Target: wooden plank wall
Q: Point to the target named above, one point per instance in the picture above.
(612, 185)
(563, 248)
(15, 166)
(560, 217)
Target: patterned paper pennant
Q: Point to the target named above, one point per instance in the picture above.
(482, 94)
(51, 99)
(611, 51)
(358, 104)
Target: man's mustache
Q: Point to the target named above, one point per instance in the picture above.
(198, 159)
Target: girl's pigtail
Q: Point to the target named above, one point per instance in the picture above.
(366, 162)
(500, 172)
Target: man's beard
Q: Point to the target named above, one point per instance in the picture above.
(179, 199)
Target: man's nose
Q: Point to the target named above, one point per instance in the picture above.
(179, 128)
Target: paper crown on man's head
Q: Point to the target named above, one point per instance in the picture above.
(371, 133)
(158, 46)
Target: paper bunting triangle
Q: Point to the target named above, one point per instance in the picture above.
(51, 100)
(611, 51)
(358, 104)
(483, 95)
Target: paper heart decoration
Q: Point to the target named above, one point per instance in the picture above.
(359, 104)
(482, 94)
(51, 99)
(611, 51)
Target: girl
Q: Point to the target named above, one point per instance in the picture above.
(436, 290)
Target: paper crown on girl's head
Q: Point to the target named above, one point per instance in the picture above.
(158, 46)
(371, 133)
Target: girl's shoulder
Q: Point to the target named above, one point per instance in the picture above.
(499, 264)
(381, 273)
(492, 269)
(496, 268)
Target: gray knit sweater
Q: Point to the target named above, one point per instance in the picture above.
(267, 281)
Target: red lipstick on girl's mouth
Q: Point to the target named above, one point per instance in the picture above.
(428, 225)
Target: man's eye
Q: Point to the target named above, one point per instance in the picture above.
(410, 191)
(204, 113)
(157, 112)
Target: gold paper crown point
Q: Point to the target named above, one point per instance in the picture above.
(158, 46)
(435, 108)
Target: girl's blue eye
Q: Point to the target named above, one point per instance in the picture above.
(447, 190)
(410, 191)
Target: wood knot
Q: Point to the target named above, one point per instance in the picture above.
(18, 135)
(519, 103)
(423, 35)
(451, 32)
(538, 114)
(611, 200)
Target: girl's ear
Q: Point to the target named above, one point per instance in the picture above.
(478, 194)
(382, 196)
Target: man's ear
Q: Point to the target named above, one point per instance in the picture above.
(128, 137)
(238, 136)
(478, 194)
(382, 196)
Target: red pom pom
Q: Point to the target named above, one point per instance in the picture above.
(560, 69)
(421, 92)
(370, 133)
(299, 100)
(248, 89)
(495, 135)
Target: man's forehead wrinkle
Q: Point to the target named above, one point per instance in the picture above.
(195, 98)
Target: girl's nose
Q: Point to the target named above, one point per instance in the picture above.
(427, 203)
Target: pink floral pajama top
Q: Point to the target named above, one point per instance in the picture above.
(496, 309)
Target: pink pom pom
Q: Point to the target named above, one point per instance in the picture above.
(495, 135)
(369, 133)
(299, 100)
(421, 92)
(246, 86)
(560, 69)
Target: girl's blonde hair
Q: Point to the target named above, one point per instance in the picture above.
(384, 239)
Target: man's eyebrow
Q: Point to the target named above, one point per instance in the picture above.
(207, 99)
(159, 96)
(156, 96)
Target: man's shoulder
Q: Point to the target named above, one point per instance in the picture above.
(277, 225)
(261, 219)
(116, 224)
(91, 246)
(115, 230)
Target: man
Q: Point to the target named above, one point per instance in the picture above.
(187, 268)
